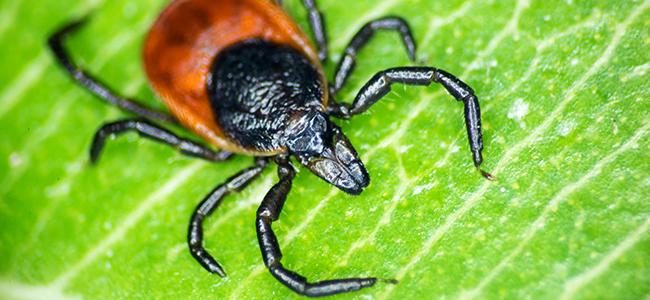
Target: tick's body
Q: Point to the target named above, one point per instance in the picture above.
(188, 41)
(241, 74)
(269, 87)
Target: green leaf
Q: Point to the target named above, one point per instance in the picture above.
(564, 91)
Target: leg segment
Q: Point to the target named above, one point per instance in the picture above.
(380, 85)
(317, 24)
(93, 85)
(268, 212)
(195, 232)
(347, 63)
(154, 132)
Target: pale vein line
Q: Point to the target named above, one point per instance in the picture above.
(8, 15)
(371, 14)
(116, 44)
(577, 282)
(638, 71)
(534, 65)
(510, 28)
(111, 48)
(16, 290)
(63, 279)
(552, 206)
(385, 219)
(251, 199)
(60, 112)
(51, 206)
(532, 188)
(532, 68)
(131, 220)
(26, 79)
(125, 37)
(547, 42)
(392, 138)
(61, 109)
(296, 231)
(440, 22)
(421, 105)
(510, 153)
(571, 30)
(376, 11)
(387, 141)
(290, 236)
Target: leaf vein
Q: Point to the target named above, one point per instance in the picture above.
(552, 205)
(577, 282)
(158, 197)
(507, 157)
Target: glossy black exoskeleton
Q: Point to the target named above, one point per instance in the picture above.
(268, 97)
(270, 100)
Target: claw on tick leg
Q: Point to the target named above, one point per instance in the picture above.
(487, 175)
(389, 281)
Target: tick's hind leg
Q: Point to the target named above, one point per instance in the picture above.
(380, 85)
(195, 232)
(347, 63)
(317, 24)
(268, 212)
(93, 85)
(156, 133)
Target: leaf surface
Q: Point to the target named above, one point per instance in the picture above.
(564, 93)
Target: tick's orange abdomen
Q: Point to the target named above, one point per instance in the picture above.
(184, 41)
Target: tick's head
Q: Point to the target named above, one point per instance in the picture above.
(322, 147)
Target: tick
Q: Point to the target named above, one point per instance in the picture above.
(243, 76)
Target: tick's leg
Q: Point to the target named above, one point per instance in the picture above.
(380, 85)
(347, 63)
(93, 85)
(154, 132)
(317, 24)
(267, 213)
(195, 232)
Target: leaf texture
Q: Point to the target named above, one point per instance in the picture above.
(565, 103)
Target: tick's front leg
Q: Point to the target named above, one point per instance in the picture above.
(347, 62)
(195, 232)
(381, 83)
(82, 77)
(317, 24)
(156, 133)
(268, 212)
